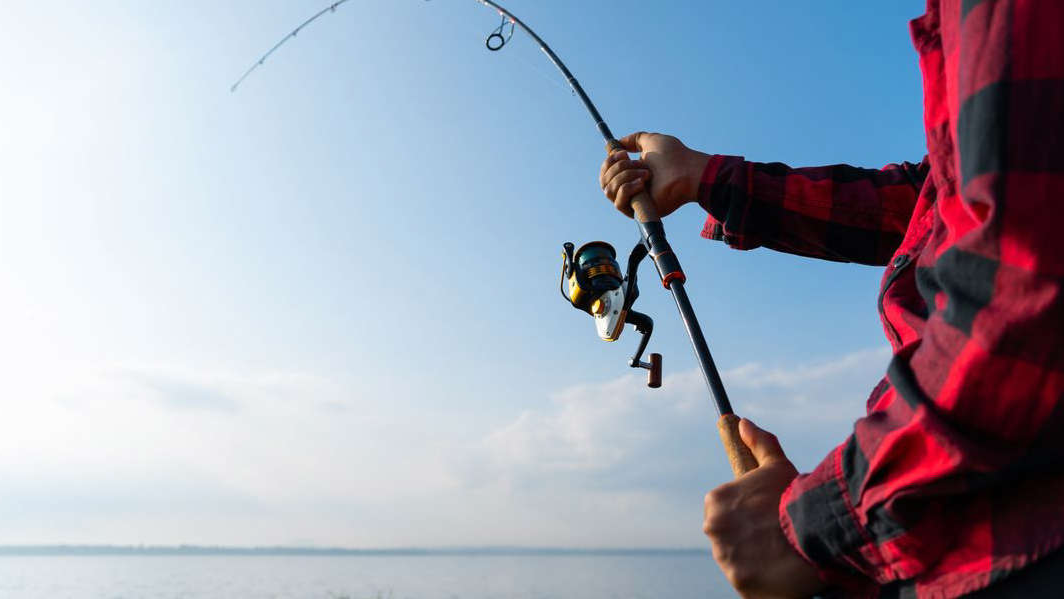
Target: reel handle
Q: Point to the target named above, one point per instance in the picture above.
(643, 206)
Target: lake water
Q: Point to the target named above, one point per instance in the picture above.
(673, 576)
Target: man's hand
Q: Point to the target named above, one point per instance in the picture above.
(673, 169)
(742, 522)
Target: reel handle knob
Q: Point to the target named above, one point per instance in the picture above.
(654, 372)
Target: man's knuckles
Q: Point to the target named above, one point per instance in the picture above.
(722, 497)
(719, 511)
(716, 525)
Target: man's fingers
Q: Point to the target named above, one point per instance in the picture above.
(763, 444)
(625, 194)
(610, 160)
(620, 167)
(621, 179)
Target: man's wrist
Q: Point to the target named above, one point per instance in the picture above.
(696, 167)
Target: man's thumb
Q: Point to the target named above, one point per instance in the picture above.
(763, 444)
(631, 141)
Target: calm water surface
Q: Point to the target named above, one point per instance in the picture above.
(678, 576)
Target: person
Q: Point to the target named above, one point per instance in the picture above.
(954, 480)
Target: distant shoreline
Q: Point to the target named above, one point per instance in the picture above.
(164, 550)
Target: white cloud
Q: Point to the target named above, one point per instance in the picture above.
(622, 435)
(129, 454)
(617, 464)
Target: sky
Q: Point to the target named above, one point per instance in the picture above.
(323, 310)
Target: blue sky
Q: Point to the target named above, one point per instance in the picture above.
(323, 309)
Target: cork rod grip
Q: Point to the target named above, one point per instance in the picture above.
(643, 206)
(742, 461)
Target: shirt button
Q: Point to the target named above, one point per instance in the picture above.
(900, 260)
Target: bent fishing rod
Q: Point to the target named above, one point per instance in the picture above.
(595, 283)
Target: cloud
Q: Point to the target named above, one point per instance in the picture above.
(186, 389)
(620, 435)
(181, 393)
(149, 453)
(827, 391)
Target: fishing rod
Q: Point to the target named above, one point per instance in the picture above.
(596, 285)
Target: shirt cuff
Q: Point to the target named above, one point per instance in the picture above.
(722, 193)
(818, 520)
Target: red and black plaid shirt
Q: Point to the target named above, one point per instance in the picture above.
(955, 478)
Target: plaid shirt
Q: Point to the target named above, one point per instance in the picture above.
(955, 478)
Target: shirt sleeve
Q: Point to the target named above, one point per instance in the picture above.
(839, 212)
(965, 433)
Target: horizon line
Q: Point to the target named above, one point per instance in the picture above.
(189, 549)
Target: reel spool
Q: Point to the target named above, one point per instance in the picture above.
(596, 286)
(592, 271)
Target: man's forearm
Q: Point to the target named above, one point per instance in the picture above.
(839, 212)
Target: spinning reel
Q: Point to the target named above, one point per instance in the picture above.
(597, 287)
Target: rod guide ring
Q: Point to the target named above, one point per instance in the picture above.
(497, 45)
